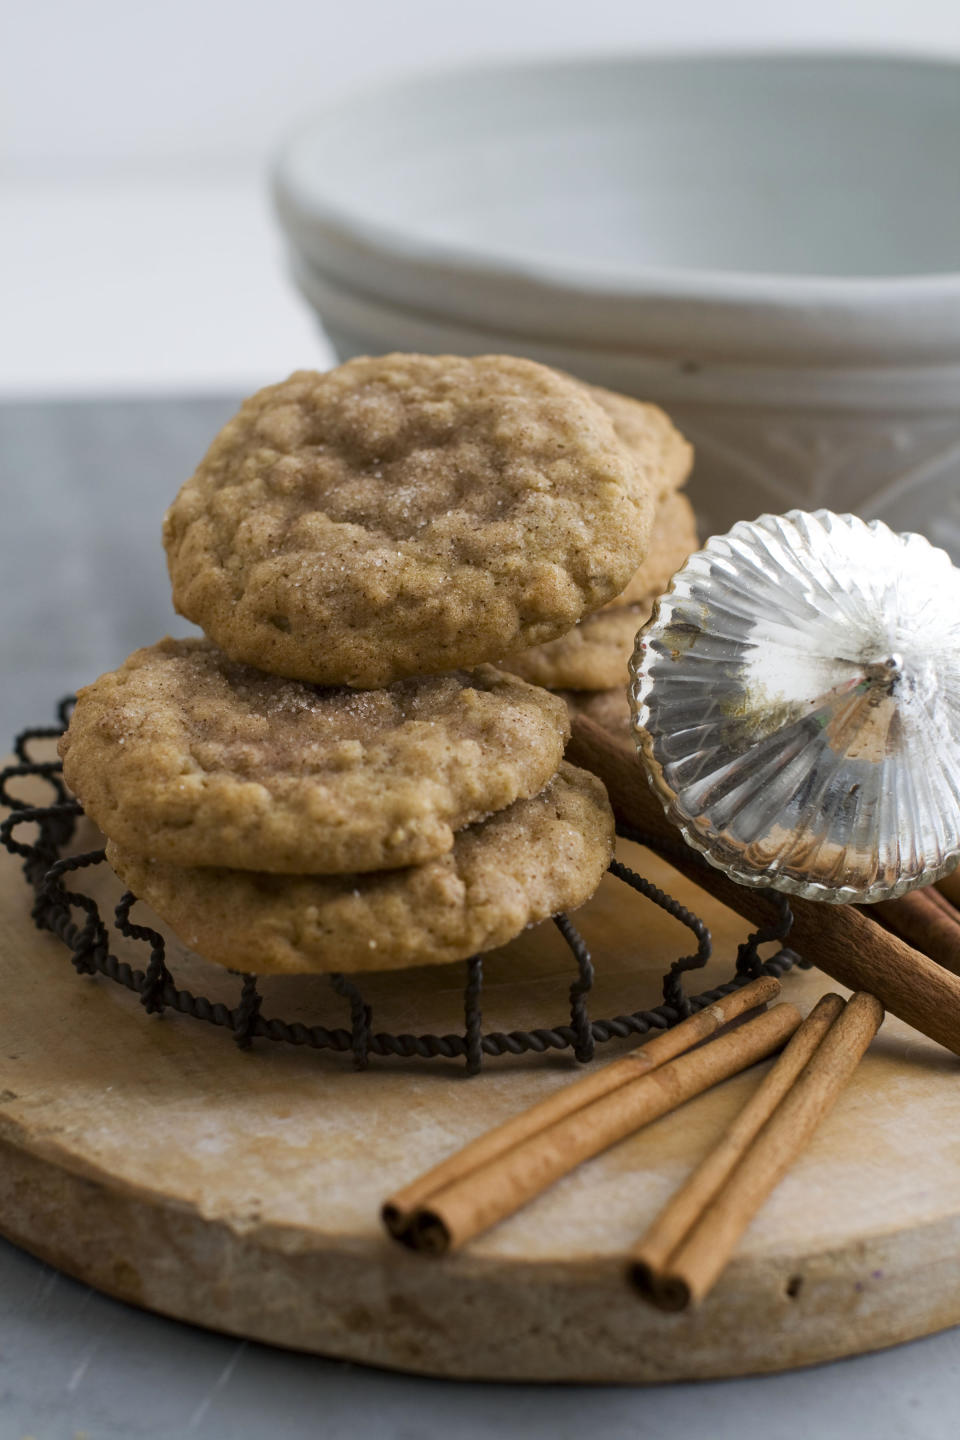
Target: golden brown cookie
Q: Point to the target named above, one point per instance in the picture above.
(592, 656)
(540, 856)
(406, 515)
(186, 756)
(650, 434)
(666, 458)
(673, 540)
(609, 708)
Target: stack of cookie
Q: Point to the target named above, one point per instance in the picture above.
(588, 665)
(334, 778)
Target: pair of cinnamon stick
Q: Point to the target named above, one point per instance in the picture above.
(949, 887)
(687, 1247)
(926, 920)
(502, 1170)
(681, 1256)
(683, 1253)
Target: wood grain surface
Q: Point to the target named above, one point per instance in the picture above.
(154, 1160)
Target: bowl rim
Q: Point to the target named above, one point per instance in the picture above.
(348, 227)
(784, 385)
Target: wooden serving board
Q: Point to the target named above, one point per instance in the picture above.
(151, 1158)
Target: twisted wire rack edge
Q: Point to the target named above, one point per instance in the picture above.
(45, 868)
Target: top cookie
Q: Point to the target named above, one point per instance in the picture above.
(406, 515)
(184, 756)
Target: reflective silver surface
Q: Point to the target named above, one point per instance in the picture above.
(796, 703)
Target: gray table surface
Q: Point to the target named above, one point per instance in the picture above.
(83, 582)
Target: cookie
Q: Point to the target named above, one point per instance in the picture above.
(592, 656)
(189, 757)
(406, 515)
(609, 708)
(673, 540)
(522, 865)
(651, 436)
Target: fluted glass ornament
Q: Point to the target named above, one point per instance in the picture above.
(796, 703)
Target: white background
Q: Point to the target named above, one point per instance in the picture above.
(137, 248)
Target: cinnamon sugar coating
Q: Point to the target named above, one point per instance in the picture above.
(189, 757)
(407, 514)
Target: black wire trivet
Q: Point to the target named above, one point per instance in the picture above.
(46, 866)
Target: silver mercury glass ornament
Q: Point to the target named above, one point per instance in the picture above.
(796, 704)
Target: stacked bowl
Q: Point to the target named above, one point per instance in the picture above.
(766, 246)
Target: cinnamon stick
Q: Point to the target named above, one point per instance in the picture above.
(664, 1237)
(926, 920)
(493, 1191)
(949, 887)
(399, 1209)
(694, 1268)
(841, 940)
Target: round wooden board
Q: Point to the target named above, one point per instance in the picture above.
(152, 1159)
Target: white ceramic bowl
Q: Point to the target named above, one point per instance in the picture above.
(769, 246)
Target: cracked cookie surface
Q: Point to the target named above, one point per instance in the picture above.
(186, 756)
(406, 515)
(522, 865)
